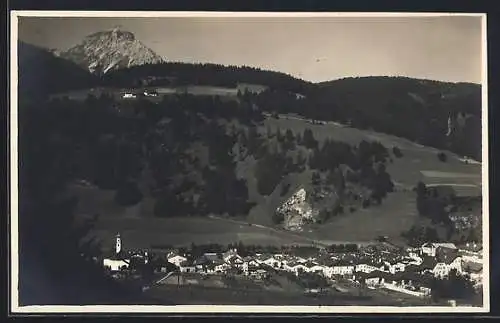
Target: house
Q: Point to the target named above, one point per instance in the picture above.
(273, 261)
(295, 267)
(235, 261)
(375, 278)
(129, 95)
(150, 93)
(176, 259)
(364, 268)
(210, 263)
(187, 266)
(342, 268)
(232, 253)
(445, 265)
(430, 248)
(397, 267)
(115, 264)
(317, 269)
(250, 266)
(221, 268)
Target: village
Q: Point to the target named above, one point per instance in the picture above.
(409, 272)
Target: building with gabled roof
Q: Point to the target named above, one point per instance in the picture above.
(118, 260)
(430, 248)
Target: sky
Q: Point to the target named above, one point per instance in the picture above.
(315, 49)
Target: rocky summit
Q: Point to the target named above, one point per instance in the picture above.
(108, 50)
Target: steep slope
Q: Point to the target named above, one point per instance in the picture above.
(41, 73)
(104, 51)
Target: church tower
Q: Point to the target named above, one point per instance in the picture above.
(118, 244)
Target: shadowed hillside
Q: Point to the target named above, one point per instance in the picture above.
(42, 73)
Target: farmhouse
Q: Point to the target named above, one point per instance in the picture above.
(446, 264)
(430, 248)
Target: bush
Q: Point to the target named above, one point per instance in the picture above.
(442, 157)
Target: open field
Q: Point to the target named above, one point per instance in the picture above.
(118, 93)
(396, 214)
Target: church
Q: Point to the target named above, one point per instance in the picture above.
(118, 260)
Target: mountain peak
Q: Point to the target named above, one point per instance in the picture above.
(111, 49)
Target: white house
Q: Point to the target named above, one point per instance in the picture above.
(273, 261)
(150, 93)
(187, 267)
(430, 248)
(221, 268)
(176, 260)
(231, 254)
(343, 269)
(115, 264)
(319, 269)
(295, 267)
(235, 261)
(397, 267)
(129, 96)
(365, 268)
(442, 269)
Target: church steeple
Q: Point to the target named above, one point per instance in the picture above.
(118, 244)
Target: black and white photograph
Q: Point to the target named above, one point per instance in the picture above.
(248, 162)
